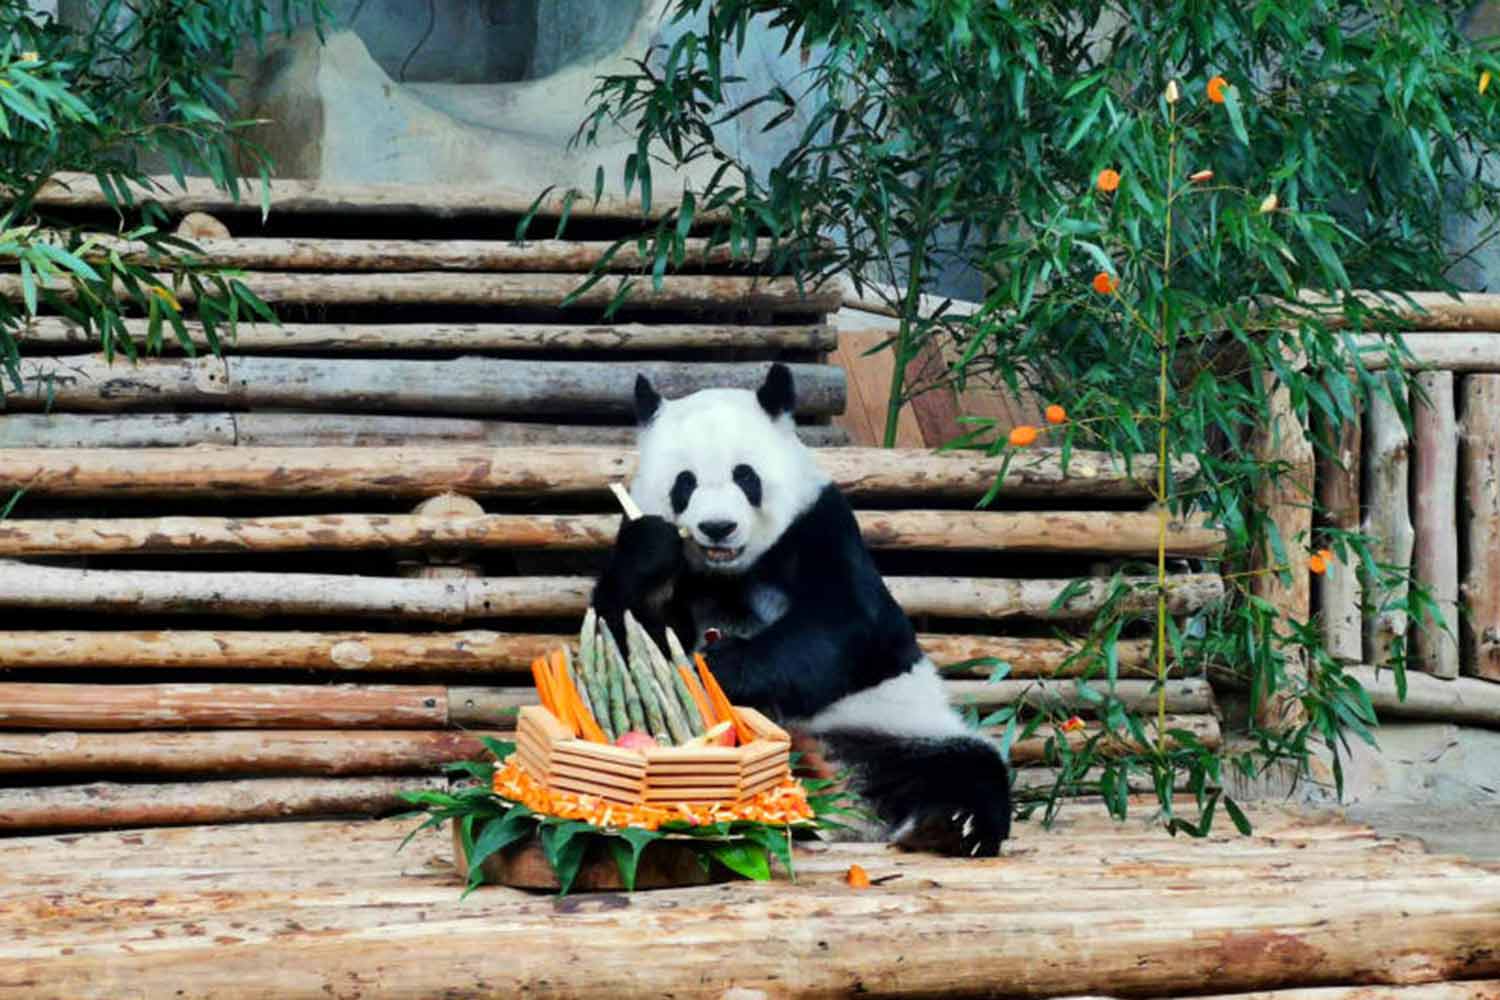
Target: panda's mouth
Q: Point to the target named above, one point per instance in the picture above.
(720, 553)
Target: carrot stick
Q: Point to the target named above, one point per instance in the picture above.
(558, 676)
(543, 689)
(585, 724)
(721, 702)
(705, 710)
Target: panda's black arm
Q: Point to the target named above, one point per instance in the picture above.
(643, 568)
(794, 669)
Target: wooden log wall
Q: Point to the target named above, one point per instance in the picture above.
(1430, 497)
(278, 621)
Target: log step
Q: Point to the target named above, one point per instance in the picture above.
(678, 293)
(56, 332)
(72, 190)
(476, 652)
(255, 595)
(105, 804)
(863, 473)
(471, 385)
(321, 430)
(343, 752)
(1098, 533)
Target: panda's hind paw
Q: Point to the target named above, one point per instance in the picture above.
(965, 833)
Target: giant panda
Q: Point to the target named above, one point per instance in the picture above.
(748, 547)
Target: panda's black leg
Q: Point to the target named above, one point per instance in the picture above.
(948, 795)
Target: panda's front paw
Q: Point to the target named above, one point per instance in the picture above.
(649, 549)
(958, 832)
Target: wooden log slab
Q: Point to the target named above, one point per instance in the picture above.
(1435, 522)
(1479, 479)
(474, 651)
(1292, 908)
(104, 804)
(679, 293)
(59, 333)
(1091, 532)
(1453, 352)
(531, 472)
(290, 196)
(473, 385)
(1183, 697)
(1424, 310)
(1482, 989)
(253, 594)
(318, 430)
(26, 705)
(1388, 523)
(254, 752)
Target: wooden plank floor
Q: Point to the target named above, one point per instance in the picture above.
(331, 910)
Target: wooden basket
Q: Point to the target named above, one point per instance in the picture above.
(552, 756)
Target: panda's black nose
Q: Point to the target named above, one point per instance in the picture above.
(716, 531)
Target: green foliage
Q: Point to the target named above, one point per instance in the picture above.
(489, 823)
(141, 89)
(941, 135)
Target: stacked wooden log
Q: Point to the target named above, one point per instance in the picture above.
(1431, 499)
(239, 630)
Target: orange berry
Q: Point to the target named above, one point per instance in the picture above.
(1073, 724)
(1317, 564)
(857, 877)
(1326, 555)
(1108, 180)
(1056, 414)
(1023, 435)
(1201, 177)
(1216, 89)
(1105, 283)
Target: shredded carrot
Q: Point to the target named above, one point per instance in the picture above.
(780, 805)
(721, 703)
(705, 710)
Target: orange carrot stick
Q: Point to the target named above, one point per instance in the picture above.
(558, 676)
(705, 711)
(543, 689)
(721, 702)
(585, 724)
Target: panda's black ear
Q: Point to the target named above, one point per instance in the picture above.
(647, 400)
(776, 394)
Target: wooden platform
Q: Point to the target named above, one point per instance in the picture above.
(330, 909)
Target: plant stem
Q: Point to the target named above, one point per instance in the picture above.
(1161, 448)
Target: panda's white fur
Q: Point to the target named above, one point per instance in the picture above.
(708, 434)
(791, 611)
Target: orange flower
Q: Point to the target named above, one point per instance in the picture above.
(1108, 179)
(1056, 414)
(1317, 564)
(1023, 435)
(1216, 89)
(1073, 724)
(1105, 283)
(857, 877)
(1201, 177)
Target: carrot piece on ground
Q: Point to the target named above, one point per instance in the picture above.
(705, 711)
(721, 701)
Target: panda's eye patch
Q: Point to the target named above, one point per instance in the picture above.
(682, 490)
(749, 483)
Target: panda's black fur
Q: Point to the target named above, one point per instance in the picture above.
(834, 631)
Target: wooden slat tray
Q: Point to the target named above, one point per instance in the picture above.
(553, 756)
